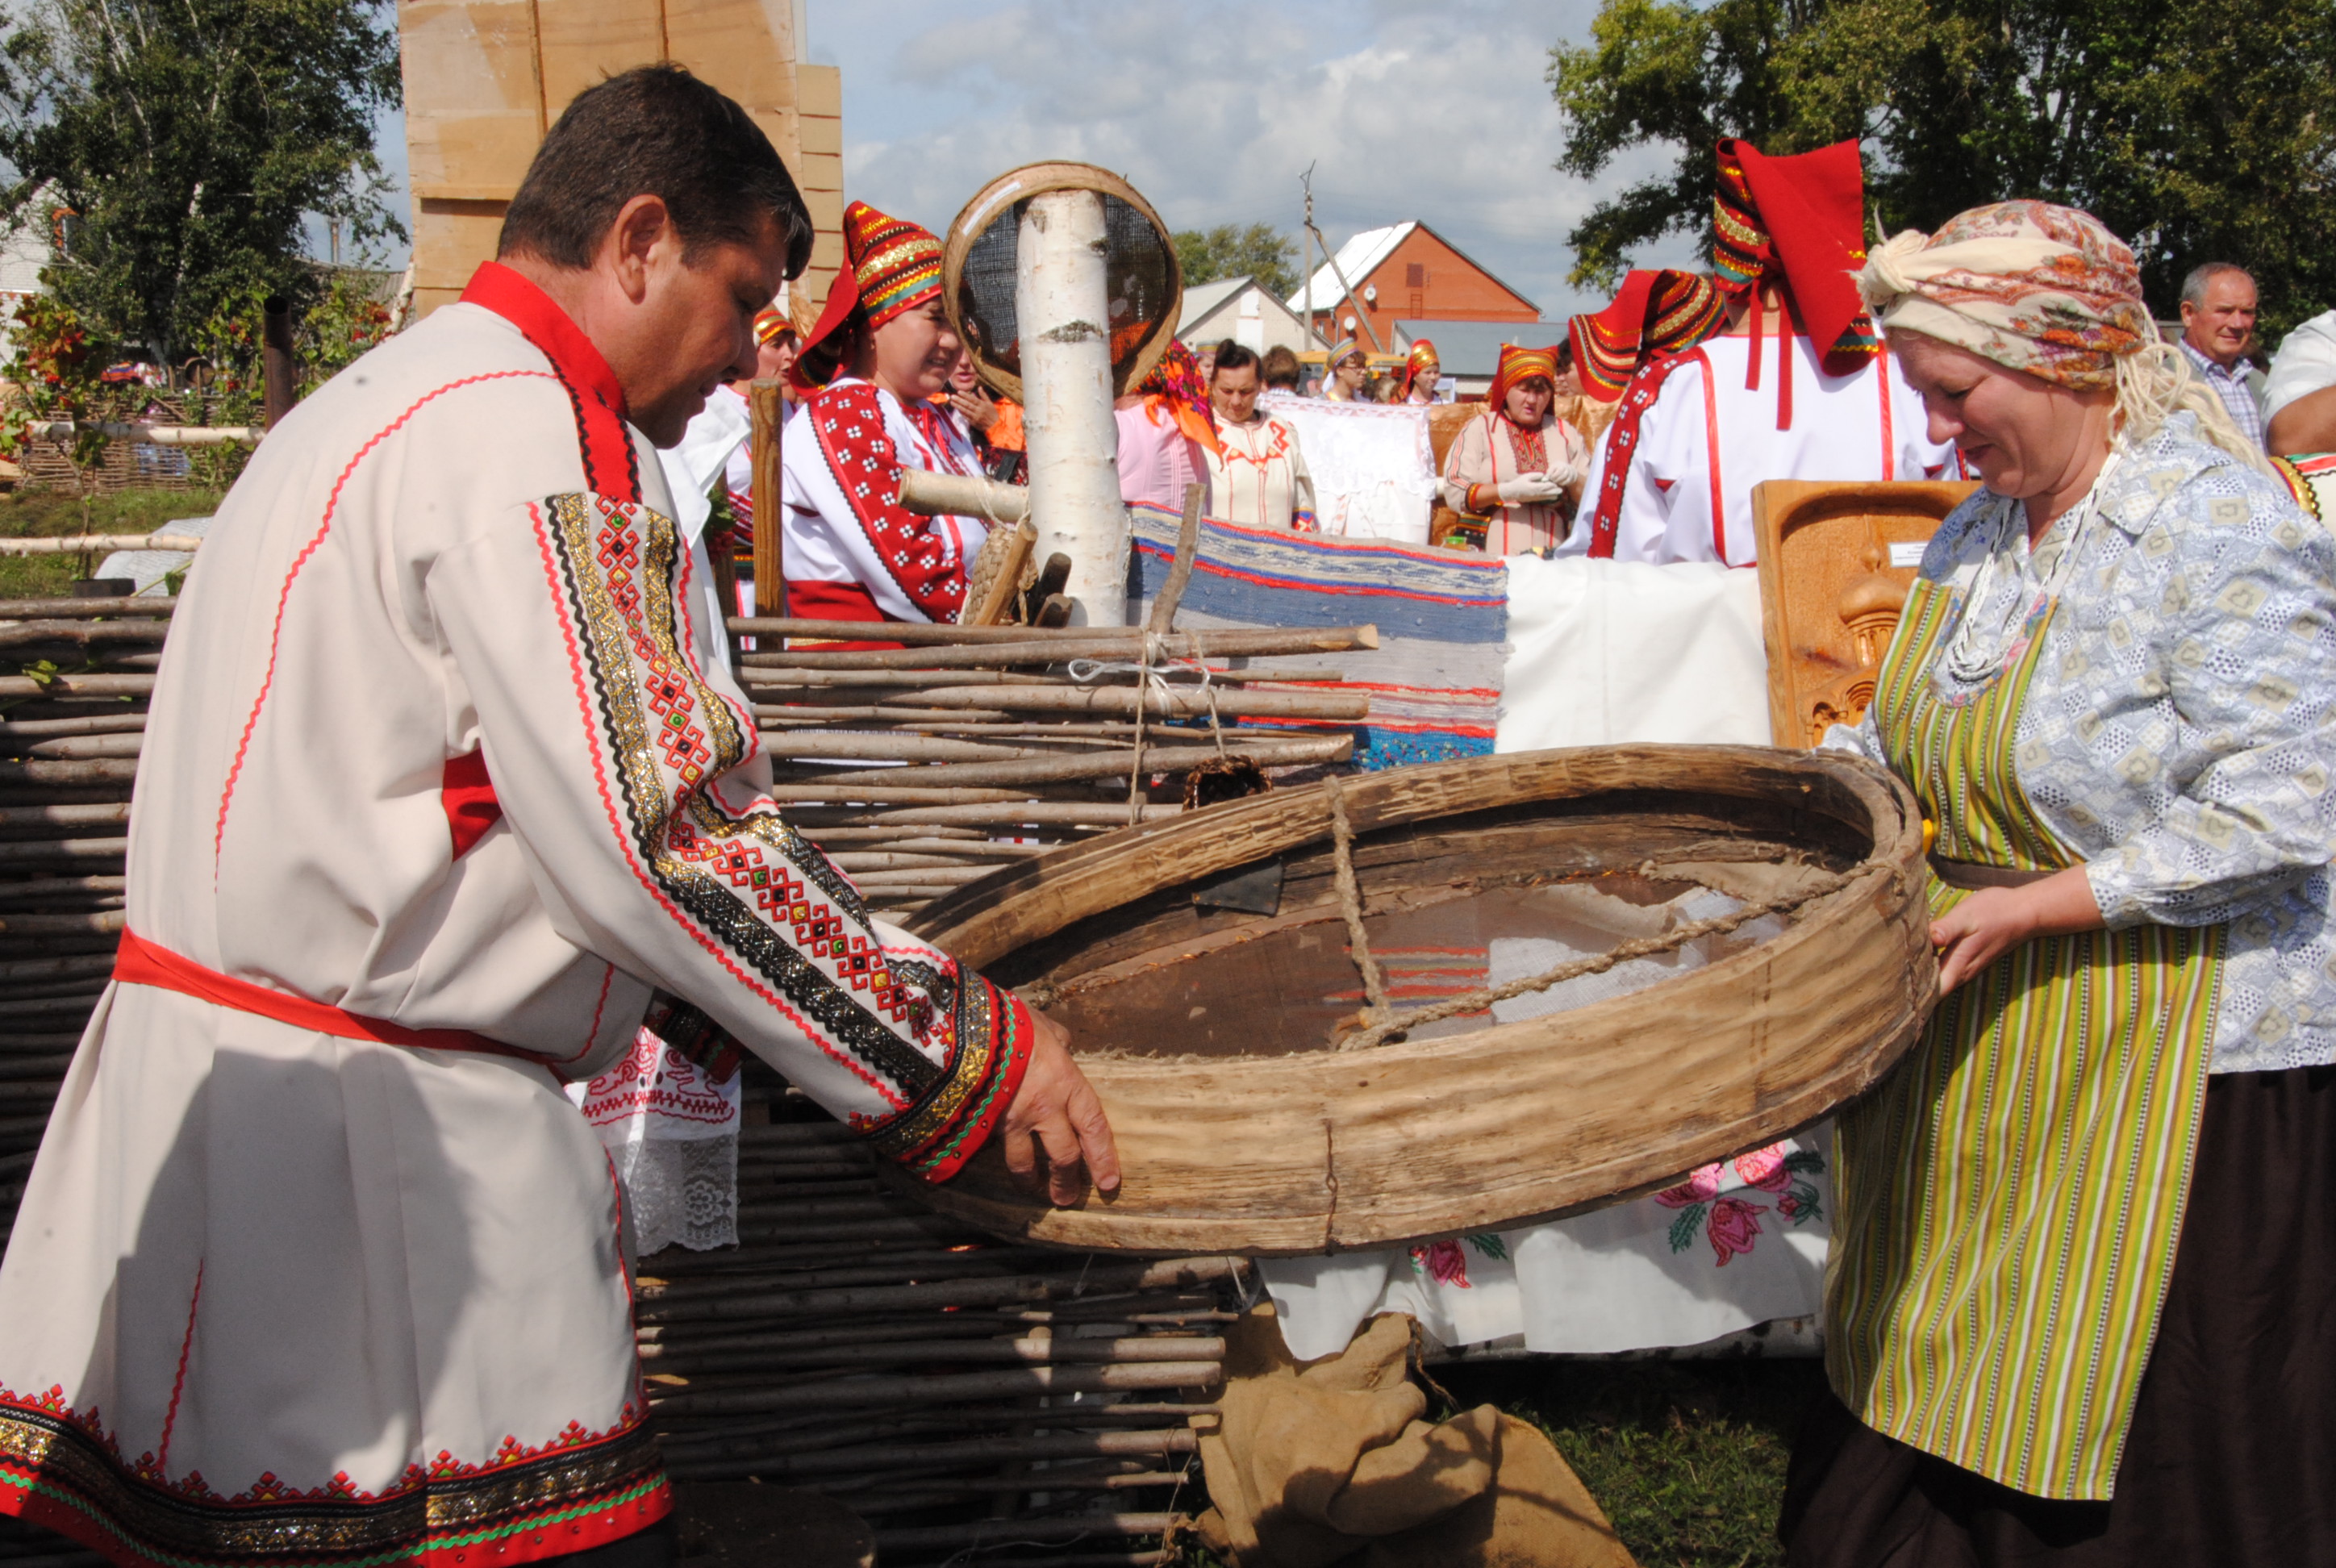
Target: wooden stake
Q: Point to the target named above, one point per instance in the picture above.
(766, 407)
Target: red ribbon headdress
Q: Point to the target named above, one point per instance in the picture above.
(1422, 354)
(890, 266)
(1656, 314)
(1799, 221)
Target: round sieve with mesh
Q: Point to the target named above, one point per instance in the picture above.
(1144, 285)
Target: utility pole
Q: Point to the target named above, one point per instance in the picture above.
(1305, 181)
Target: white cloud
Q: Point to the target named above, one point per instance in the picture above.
(1420, 109)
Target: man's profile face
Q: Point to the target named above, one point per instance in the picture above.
(1234, 393)
(697, 318)
(2221, 326)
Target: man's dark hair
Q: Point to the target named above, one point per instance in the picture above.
(1232, 355)
(656, 131)
(1280, 367)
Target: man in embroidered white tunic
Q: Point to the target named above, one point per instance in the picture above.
(317, 1264)
(1672, 481)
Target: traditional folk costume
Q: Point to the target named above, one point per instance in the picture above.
(318, 1263)
(852, 552)
(1257, 474)
(1696, 431)
(1411, 388)
(1166, 439)
(1655, 315)
(2077, 1306)
(1492, 449)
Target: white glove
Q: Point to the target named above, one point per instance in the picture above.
(1528, 490)
(1567, 476)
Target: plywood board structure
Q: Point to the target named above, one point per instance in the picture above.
(1836, 564)
(485, 78)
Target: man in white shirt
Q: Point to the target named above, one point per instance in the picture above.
(317, 1262)
(2218, 328)
(1257, 471)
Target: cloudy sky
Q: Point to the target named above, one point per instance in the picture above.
(1429, 109)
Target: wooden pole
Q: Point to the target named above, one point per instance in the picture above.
(275, 366)
(766, 405)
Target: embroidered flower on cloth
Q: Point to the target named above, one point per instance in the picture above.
(1714, 1198)
(1446, 1263)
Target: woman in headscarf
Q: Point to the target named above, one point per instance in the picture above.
(1345, 371)
(2077, 1305)
(1517, 464)
(880, 355)
(1166, 432)
(1421, 371)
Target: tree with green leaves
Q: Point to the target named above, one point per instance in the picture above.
(179, 146)
(2198, 129)
(1258, 251)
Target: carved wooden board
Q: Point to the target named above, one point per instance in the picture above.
(1836, 563)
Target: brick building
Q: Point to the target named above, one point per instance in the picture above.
(1405, 271)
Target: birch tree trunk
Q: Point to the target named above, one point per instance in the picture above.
(1062, 310)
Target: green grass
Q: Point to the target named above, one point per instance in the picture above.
(48, 514)
(1687, 1457)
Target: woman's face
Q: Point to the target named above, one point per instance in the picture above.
(961, 375)
(1569, 385)
(1428, 373)
(1528, 400)
(2025, 436)
(773, 359)
(1350, 371)
(916, 351)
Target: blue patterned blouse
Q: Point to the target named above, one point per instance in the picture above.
(2179, 735)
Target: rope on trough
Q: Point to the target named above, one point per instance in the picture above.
(1351, 905)
(1380, 1026)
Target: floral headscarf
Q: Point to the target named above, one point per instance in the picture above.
(1173, 389)
(2035, 288)
(2049, 291)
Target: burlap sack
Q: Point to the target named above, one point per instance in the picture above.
(1316, 1465)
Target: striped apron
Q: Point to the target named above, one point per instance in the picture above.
(2009, 1198)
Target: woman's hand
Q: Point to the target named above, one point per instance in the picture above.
(981, 410)
(1055, 1108)
(1994, 920)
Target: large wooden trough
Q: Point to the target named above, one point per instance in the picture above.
(1211, 1032)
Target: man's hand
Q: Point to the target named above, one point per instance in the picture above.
(1994, 920)
(1057, 1108)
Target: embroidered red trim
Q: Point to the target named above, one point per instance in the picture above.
(1711, 444)
(611, 467)
(848, 422)
(284, 594)
(1623, 445)
(143, 963)
(468, 795)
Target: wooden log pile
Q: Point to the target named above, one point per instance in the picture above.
(73, 714)
(925, 767)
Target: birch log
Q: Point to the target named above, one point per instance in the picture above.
(1063, 312)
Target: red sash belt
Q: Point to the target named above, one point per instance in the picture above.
(143, 963)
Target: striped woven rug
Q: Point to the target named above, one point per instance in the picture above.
(1434, 683)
